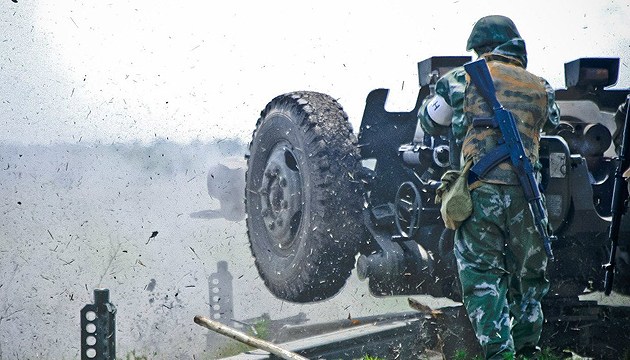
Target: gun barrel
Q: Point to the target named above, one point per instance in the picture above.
(540, 215)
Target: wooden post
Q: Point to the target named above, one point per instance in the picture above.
(246, 339)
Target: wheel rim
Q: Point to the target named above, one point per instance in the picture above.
(407, 205)
(281, 197)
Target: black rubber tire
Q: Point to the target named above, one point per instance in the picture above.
(303, 200)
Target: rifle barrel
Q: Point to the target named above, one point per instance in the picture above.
(617, 206)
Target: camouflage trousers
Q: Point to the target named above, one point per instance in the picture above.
(502, 268)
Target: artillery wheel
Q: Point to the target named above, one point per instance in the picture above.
(303, 201)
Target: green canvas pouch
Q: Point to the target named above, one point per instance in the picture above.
(454, 196)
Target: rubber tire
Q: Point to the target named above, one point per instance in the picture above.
(307, 138)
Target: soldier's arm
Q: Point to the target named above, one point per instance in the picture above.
(438, 112)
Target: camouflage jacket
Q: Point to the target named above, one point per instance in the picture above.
(452, 85)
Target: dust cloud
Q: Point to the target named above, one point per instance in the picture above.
(139, 220)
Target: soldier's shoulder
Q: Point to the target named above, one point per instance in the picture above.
(452, 82)
(456, 74)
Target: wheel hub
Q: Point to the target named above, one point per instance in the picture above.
(281, 197)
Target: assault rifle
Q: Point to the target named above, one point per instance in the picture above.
(510, 148)
(618, 205)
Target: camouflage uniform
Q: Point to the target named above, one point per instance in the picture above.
(500, 255)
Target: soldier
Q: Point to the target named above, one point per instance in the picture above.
(500, 255)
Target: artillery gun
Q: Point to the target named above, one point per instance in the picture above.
(321, 200)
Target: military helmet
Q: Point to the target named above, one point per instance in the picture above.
(492, 30)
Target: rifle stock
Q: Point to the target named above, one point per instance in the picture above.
(617, 207)
(479, 73)
(480, 76)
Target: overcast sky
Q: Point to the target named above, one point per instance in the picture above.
(95, 71)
